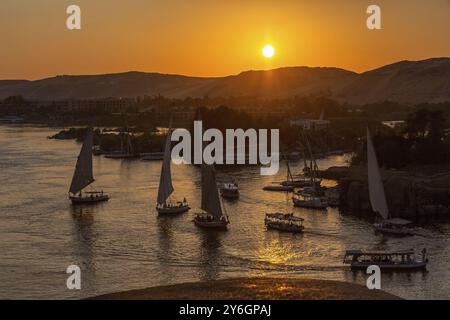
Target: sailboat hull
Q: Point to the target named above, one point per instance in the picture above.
(229, 194)
(173, 210)
(221, 225)
(284, 227)
(89, 199)
(414, 266)
(394, 232)
(309, 204)
(121, 156)
(279, 188)
(300, 183)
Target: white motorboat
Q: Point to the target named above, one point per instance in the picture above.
(310, 202)
(284, 222)
(387, 261)
(230, 190)
(212, 215)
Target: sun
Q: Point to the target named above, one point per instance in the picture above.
(268, 51)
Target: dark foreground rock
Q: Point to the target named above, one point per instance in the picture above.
(255, 289)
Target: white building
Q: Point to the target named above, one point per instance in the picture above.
(310, 124)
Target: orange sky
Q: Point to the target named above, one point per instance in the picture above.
(214, 38)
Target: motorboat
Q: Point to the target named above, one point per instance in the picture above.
(230, 190)
(310, 202)
(284, 222)
(404, 260)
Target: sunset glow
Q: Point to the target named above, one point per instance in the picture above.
(204, 38)
(268, 51)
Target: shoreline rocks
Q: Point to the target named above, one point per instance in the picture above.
(414, 193)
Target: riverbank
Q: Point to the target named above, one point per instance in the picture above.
(254, 289)
(412, 193)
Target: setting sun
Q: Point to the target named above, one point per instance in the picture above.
(268, 51)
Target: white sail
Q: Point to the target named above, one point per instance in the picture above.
(83, 175)
(376, 189)
(165, 180)
(322, 115)
(210, 196)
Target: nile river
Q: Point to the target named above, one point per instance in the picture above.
(123, 244)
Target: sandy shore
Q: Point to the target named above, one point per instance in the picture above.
(255, 289)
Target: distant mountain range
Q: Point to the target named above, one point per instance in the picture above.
(408, 82)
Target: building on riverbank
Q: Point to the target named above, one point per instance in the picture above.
(311, 124)
(105, 105)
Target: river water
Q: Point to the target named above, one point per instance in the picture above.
(123, 244)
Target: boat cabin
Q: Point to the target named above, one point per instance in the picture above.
(404, 257)
(284, 218)
(396, 223)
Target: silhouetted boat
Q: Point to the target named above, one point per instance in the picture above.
(310, 202)
(311, 198)
(164, 204)
(301, 182)
(230, 190)
(378, 198)
(278, 188)
(284, 222)
(212, 215)
(83, 176)
(387, 261)
(96, 151)
(152, 156)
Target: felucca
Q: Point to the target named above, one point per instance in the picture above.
(164, 203)
(230, 190)
(84, 177)
(311, 198)
(387, 225)
(212, 215)
(276, 186)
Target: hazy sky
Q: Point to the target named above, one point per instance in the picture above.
(214, 38)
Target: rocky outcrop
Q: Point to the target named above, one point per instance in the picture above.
(409, 194)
